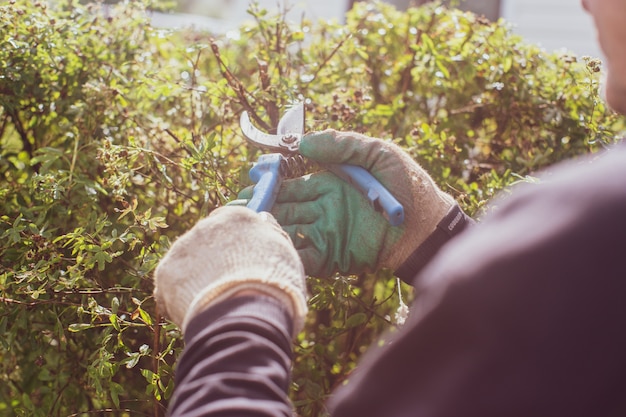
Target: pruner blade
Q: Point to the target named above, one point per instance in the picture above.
(288, 133)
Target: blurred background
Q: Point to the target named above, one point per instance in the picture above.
(552, 24)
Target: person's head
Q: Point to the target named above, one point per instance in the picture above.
(610, 21)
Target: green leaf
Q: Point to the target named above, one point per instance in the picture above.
(150, 376)
(356, 320)
(507, 63)
(102, 258)
(115, 390)
(443, 69)
(115, 322)
(132, 360)
(297, 36)
(362, 53)
(79, 327)
(145, 317)
(428, 43)
(115, 305)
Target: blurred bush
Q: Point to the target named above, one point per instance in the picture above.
(117, 136)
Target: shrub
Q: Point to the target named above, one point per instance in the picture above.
(117, 136)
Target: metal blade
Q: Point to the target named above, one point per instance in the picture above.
(292, 121)
(256, 136)
(290, 129)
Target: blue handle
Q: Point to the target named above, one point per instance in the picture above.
(375, 192)
(266, 174)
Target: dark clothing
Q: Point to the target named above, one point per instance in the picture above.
(521, 315)
(236, 361)
(451, 225)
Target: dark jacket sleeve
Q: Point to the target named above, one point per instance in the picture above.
(453, 223)
(522, 315)
(236, 361)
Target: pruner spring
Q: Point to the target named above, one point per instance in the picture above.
(293, 166)
(268, 174)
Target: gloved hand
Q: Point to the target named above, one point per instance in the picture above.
(232, 250)
(333, 226)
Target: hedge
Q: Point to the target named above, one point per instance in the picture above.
(117, 136)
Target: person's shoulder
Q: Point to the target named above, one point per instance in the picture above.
(582, 199)
(590, 181)
(608, 166)
(572, 207)
(585, 182)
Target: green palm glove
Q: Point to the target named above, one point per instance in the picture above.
(333, 226)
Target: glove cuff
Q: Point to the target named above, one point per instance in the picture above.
(275, 284)
(451, 225)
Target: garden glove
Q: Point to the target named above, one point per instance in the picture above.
(232, 250)
(335, 228)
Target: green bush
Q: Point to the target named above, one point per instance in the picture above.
(117, 136)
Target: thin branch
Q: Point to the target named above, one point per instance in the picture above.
(156, 348)
(59, 395)
(328, 58)
(5, 120)
(179, 141)
(7, 300)
(17, 123)
(238, 88)
(110, 410)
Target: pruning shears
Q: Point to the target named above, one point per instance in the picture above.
(269, 170)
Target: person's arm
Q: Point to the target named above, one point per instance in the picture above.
(235, 285)
(236, 361)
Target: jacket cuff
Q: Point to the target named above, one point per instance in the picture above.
(451, 225)
(264, 308)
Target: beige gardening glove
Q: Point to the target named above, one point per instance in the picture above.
(334, 227)
(232, 250)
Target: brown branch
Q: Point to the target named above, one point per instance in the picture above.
(60, 394)
(270, 106)
(110, 410)
(173, 136)
(7, 300)
(114, 290)
(406, 78)
(177, 140)
(328, 58)
(17, 123)
(5, 120)
(156, 348)
(238, 88)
